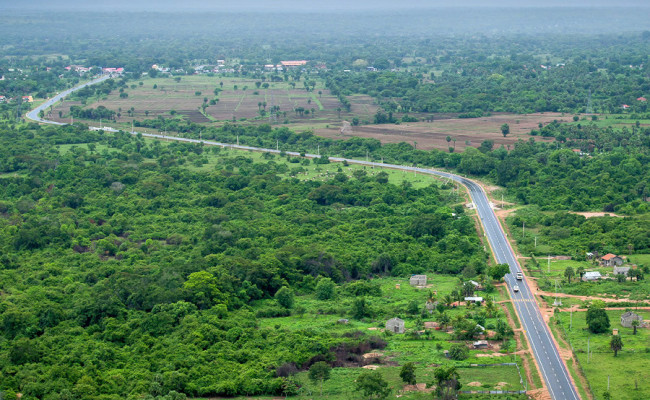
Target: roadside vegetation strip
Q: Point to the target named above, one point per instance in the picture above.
(601, 365)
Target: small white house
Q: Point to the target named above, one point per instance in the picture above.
(591, 276)
(474, 299)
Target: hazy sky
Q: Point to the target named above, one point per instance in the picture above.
(299, 5)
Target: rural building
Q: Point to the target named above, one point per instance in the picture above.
(621, 270)
(418, 280)
(481, 344)
(113, 71)
(290, 64)
(474, 299)
(430, 306)
(611, 260)
(477, 286)
(2, 99)
(628, 317)
(591, 276)
(642, 99)
(395, 325)
(343, 321)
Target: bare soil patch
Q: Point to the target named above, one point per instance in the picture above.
(596, 214)
(466, 132)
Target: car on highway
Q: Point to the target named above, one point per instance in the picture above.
(515, 288)
(520, 276)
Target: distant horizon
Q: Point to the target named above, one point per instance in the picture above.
(302, 7)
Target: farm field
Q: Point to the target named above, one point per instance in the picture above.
(241, 100)
(238, 99)
(463, 132)
(603, 365)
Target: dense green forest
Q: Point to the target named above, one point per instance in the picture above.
(141, 269)
(125, 270)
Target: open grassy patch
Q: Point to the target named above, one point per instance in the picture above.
(602, 364)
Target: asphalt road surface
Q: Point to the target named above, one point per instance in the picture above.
(552, 368)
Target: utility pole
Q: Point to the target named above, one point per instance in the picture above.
(588, 353)
(237, 140)
(523, 229)
(535, 241)
(549, 263)
(571, 319)
(277, 145)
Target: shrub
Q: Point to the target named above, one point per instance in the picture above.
(458, 352)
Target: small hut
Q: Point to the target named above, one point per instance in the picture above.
(628, 317)
(418, 280)
(395, 325)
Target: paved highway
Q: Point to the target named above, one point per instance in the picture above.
(552, 368)
(33, 115)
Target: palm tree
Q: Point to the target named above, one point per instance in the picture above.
(616, 344)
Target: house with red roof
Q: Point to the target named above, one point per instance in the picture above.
(625, 106)
(112, 71)
(611, 260)
(642, 99)
(289, 64)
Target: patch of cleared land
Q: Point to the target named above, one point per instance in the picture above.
(465, 131)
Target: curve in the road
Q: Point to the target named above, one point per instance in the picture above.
(553, 369)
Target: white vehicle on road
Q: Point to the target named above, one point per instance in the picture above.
(520, 276)
(515, 288)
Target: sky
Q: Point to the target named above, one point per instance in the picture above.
(299, 5)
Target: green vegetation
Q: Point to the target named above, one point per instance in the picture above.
(632, 356)
(158, 259)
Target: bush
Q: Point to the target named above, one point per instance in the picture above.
(272, 312)
(458, 352)
(285, 297)
(325, 289)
